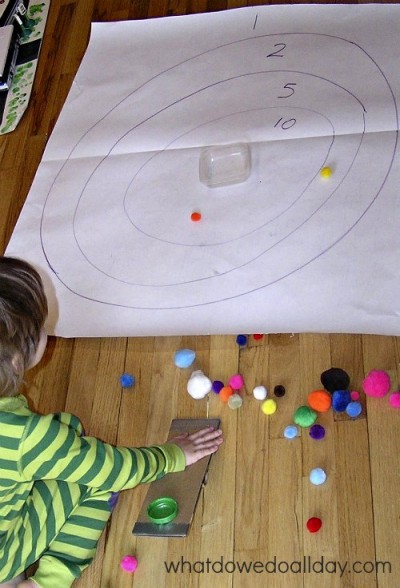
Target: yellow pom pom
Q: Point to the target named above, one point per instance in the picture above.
(268, 406)
(326, 172)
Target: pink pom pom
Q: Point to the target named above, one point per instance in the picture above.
(129, 563)
(236, 382)
(394, 400)
(377, 383)
(355, 395)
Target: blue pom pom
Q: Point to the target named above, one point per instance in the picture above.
(290, 432)
(127, 380)
(317, 476)
(340, 400)
(184, 358)
(354, 409)
(241, 340)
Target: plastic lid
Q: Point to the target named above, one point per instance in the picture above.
(221, 165)
(162, 510)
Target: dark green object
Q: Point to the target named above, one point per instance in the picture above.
(305, 416)
(162, 510)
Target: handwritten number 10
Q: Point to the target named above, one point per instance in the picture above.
(286, 124)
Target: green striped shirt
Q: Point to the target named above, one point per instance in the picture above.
(35, 447)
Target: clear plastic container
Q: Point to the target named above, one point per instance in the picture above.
(221, 165)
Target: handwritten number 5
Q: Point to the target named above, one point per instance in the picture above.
(291, 90)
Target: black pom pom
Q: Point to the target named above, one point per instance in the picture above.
(335, 379)
(279, 391)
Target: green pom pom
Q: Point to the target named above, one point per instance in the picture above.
(305, 416)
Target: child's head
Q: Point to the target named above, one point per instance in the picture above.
(23, 310)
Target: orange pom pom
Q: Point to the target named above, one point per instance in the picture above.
(320, 400)
(225, 393)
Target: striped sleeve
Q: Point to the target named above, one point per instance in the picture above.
(51, 449)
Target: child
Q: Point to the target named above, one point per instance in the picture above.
(57, 487)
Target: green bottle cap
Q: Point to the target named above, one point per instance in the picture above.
(162, 510)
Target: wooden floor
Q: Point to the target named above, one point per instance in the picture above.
(258, 497)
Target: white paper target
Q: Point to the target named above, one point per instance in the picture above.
(126, 186)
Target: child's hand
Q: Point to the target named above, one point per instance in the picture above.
(199, 444)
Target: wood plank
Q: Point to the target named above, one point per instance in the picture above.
(356, 524)
(10, 185)
(320, 501)
(284, 369)
(161, 409)
(285, 512)
(132, 432)
(252, 474)
(383, 427)
(157, 8)
(216, 518)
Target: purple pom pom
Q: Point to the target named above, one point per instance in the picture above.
(112, 501)
(317, 432)
(217, 386)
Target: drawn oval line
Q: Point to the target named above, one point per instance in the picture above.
(46, 255)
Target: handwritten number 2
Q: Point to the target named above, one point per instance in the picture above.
(278, 52)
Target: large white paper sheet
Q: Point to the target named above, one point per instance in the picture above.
(107, 221)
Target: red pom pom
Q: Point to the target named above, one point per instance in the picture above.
(314, 524)
(195, 216)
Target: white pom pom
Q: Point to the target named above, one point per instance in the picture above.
(198, 385)
(260, 392)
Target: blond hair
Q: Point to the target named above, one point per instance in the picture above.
(23, 310)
